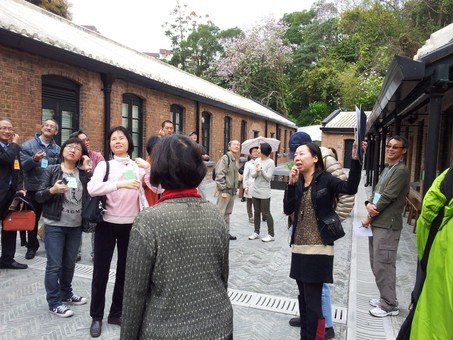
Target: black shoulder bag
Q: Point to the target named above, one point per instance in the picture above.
(93, 210)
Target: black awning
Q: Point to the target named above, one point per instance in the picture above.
(402, 77)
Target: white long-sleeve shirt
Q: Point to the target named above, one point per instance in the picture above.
(262, 184)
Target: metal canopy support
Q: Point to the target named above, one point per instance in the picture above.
(432, 143)
(377, 142)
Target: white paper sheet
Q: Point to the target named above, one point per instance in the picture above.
(361, 231)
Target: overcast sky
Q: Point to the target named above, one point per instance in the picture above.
(137, 23)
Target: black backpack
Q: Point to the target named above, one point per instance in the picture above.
(213, 170)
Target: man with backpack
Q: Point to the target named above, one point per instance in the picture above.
(226, 179)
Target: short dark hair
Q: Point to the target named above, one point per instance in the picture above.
(265, 149)
(315, 150)
(401, 139)
(177, 163)
(73, 140)
(151, 142)
(77, 133)
(126, 133)
(251, 149)
(167, 121)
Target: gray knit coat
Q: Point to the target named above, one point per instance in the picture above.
(177, 273)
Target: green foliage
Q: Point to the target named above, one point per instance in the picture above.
(314, 114)
(333, 56)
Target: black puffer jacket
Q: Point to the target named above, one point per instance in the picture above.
(324, 188)
(53, 204)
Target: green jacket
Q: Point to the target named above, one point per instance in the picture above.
(393, 186)
(433, 318)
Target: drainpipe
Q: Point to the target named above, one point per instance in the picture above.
(369, 160)
(107, 80)
(197, 120)
(265, 128)
(432, 143)
(277, 127)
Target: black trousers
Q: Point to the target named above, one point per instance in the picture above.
(106, 236)
(8, 237)
(32, 242)
(310, 309)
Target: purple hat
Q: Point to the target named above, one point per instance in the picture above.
(296, 140)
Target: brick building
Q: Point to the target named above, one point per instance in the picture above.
(51, 67)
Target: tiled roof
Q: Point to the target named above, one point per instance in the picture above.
(32, 22)
(436, 41)
(344, 120)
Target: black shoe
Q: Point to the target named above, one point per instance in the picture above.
(330, 333)
(23, 243)
(233, 237)
(30, 253)
(78, 258)
(13, 265)
(243, 199)
(114, 320)
(294, 322)
(96, 328)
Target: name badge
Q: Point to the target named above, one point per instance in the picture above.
(44, 163)
(376, 198)
(72, 182)
(16, 164)
(129, 174)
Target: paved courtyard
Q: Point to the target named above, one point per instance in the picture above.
(263, 296)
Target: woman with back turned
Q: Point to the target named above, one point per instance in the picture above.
(177, 263)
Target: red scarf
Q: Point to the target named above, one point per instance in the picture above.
(176, 193)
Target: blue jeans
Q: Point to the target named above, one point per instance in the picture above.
(62, 244)
(326, 305)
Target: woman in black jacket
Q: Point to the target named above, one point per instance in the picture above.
(310, 194)
(62, 191)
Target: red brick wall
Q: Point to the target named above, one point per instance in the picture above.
(20, 101)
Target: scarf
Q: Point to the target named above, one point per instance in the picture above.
(176, 193)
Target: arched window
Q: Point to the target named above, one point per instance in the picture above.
(226, 133)
(60, 101)
(132, 120)
(243, 130)
(206, 131)
(177, 117)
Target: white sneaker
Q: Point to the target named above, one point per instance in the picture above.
(268, 238)
(380, 313)
(375, 302)
(254, 236)
(62, 311)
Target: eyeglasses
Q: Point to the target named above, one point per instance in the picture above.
(394, 147)
(73, 148)
(51, 126)
(4, 128)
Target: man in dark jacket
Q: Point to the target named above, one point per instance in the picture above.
(385, 208)
(36, 155)
(9, 184)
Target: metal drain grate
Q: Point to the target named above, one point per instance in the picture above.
(277, 304)
(81, 270)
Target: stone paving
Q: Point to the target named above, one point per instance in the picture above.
(255, 267)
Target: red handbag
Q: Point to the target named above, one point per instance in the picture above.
(22, 219)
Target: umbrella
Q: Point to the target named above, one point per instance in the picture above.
(255, 142)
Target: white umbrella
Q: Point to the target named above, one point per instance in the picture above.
(255, 142)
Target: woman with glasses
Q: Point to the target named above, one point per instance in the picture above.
(125, 198)
(62, 192)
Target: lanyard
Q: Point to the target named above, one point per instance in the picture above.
(387, 173)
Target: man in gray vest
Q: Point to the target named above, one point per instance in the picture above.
(385, 208)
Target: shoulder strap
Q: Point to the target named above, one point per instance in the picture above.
(107, 170)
